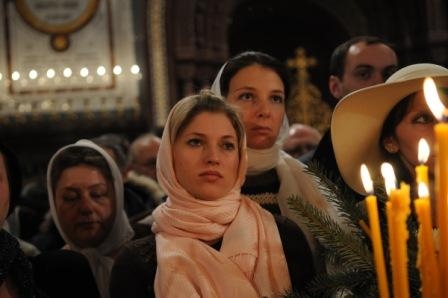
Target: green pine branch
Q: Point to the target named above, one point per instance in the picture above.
(334, 189)
(345, 246)
(344, 283)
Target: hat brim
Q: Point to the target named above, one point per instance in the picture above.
(357, 122)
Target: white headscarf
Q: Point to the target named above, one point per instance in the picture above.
(99, 260)
(293, 179)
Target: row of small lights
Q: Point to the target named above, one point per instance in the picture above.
(68, 72)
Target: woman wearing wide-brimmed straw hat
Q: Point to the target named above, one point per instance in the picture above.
(385, 123)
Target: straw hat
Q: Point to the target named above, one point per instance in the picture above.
(358, 119)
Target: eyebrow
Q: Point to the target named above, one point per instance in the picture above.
(254, 89)
(204, 135)
(245, 87)
(372, 66)
(229, 137)
(70, 187)
(364, 66)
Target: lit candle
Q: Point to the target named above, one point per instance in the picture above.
(426, 260)
(441, 177)
(375, 233)
(422, 170)
(397, 211)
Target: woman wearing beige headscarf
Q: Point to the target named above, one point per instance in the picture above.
(210, 241)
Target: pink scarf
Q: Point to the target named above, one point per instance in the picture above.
(251, 261)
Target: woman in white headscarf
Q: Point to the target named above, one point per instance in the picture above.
(258, 85)
(86, 200)
(210, 241)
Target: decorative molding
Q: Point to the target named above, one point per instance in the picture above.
(158, 66)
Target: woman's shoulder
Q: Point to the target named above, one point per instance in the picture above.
(293, 239)
(144, 248)
(297, 252)
(287, 227)
(135, 269)
(77, 281)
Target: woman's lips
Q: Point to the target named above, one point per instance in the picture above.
(211, 176)
(262, 129)
(87, 224)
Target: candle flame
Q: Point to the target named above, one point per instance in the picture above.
(366, 180)
(423, 151)
(390, 182)
(423, 191)
(432, 98)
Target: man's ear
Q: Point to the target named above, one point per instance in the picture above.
(335, 87)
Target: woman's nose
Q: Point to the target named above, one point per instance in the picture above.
(263, 109)
(212, 156)
(85, 204)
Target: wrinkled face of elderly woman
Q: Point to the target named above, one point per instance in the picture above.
(85, 204)
(206, 157)
(4, 190)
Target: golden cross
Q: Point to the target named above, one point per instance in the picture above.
(302, 96)
(301, 63)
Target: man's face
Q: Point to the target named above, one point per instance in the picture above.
(365, 65)
(145, 158)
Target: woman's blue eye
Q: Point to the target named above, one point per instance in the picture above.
(194, 142)
(229, 146)
(245, 96)
(424, 118)
(277, 99)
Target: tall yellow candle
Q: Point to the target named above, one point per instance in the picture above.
(441, 174)
(426, 260)
(421, 174)
(421, 170)
(397, 210)
(375, 234)
(393, 246)
(441, 177)
(400, 201)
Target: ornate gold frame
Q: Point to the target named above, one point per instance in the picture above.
(49, 28)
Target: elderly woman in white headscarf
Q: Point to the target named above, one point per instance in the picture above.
(258, 85)
(86, 200)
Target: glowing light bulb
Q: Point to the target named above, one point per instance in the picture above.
(33, 74)
(84, 72)
(51, 73)
(101, 70)
(135, 69)
(15, 76)
(117, 70)
(67, 72)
